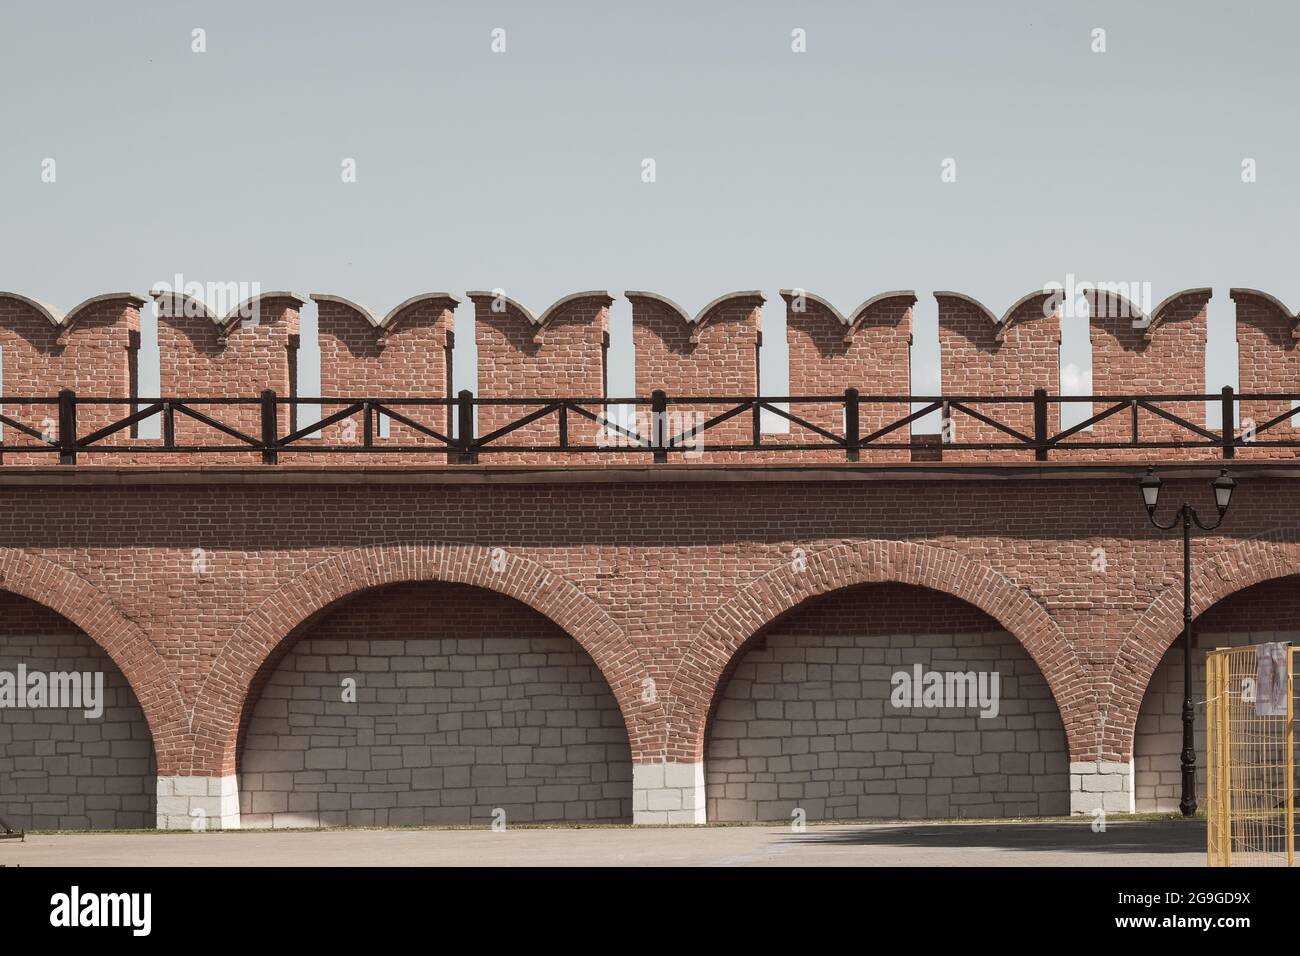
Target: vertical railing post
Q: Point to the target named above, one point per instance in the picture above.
(368, 425)
(67, 427)
(270, 428)
(1229, 428)
(1040, 424)
(659, 425)
(465, 426)
(169, 425)
(852, 424)
(564, 426)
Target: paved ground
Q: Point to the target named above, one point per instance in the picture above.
(1164, 843)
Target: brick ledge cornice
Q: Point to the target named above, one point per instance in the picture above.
(46, 475)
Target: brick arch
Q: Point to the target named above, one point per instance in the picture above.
(149, 675)
(221, 699)
(873, 562)
(1274, 555)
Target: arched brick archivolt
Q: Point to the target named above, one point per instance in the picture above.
(127, 645)
(1252, 562)
(221, 699)
(781, 589)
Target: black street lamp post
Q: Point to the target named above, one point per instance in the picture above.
(1223, 487)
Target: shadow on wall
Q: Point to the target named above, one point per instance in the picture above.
(809, 718)
(432, 703)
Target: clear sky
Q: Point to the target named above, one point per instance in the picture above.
(523, 169)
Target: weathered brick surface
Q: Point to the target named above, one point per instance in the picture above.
(206, 356)
(405, 354)
(868, 349)
(62, 768)
(1268, 362)
(559, 353)
(93, 350)
(711, 354)
(562, 353)
(980, 355)
(465, 703)
(192, 588)
(1140, 355)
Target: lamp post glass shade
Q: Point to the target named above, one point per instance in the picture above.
(1223, 487)
(1150, 485)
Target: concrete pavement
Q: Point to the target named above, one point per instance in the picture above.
(1160, 843)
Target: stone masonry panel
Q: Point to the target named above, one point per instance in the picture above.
(806, 720)
(466, 703)
(59, 768)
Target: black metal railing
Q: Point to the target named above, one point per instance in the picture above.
(661, 427)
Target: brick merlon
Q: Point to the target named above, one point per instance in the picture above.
(701, 318)
(1292, 318)
(539, 322)
(385, 325)
(852, 320)
(555, 307)
(1011, 315)
(66, 320)
(1149, 322)
(167, 298)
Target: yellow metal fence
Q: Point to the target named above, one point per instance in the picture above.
(1250, 749)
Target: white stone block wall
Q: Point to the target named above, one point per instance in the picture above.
(60, 769)
(1105, 785)
(198, 804)
(1158, 738)
(806, 722)
(444, 731)
(668, 793)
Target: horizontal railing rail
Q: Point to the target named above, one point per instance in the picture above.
(660, 427)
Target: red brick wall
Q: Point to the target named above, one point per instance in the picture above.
(564, 355)
(979, 356)
(93, 351)
(1166, 357)
(870, 352)
(405, 356)
(559, 353)
(659, 580)
(201, 358)
(714, 355)
(1268, 361)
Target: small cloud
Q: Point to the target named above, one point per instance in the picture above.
(1075, 381)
